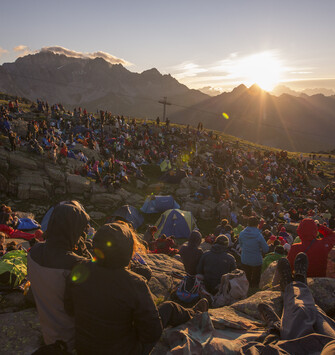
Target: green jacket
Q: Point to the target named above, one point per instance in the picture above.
(15, 262)
(269, 258)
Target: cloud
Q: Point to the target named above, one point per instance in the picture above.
(20, 48)
(70, 53)
(187, 69)
(3, 51)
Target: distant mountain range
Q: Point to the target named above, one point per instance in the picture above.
(295, 122)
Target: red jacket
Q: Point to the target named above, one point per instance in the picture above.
(318, 251)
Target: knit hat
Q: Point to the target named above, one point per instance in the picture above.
(222, 240)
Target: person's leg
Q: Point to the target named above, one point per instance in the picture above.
(248, 272)
(173, 314)
(299, 314)
(255, 275)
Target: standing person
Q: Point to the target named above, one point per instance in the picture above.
(113, 307)
(50, 263)
(253, 245)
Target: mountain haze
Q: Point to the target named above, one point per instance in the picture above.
(295, 122)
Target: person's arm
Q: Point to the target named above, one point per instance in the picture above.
(263, 243)
(147, 321)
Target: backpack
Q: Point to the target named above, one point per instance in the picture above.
(234, 287)
(189, 289)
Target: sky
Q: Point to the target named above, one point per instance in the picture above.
(217, 44)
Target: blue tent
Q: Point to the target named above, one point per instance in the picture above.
(129, 214)
(177, 223)
(45, 220)
(159, 204)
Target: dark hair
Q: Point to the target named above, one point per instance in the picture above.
(253, 221)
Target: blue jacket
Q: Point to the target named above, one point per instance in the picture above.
(252, 245)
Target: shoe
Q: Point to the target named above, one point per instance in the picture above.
(285, 274)
(301, 268)
(201, 306)
(269, 316)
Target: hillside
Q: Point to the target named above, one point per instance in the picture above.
(296, 123)
(302, 123)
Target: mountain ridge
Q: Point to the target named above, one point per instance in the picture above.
(286, 121)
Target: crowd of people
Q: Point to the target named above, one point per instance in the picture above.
(93, 296)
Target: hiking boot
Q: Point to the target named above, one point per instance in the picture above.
(269, 316)
(201, 306)
(284, 271)
(300, 268)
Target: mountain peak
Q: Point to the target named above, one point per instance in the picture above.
(153, 72)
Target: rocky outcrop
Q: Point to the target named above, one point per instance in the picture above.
(20, 332)
(32, 178)
(162, 267)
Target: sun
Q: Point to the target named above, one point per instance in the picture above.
(263, 69)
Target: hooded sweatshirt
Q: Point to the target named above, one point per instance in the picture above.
(252, 245)
(215, 263)
(191, 253)
(113, 308)
(316, 249)
(50, 263)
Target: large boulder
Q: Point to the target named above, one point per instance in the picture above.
(193, 207)
(3, 183)
(162, 267)
(20, 332)
(224, 317)
(54, 173)
(13, 301)
(183, 192)
(267, 276)
(18, 160)
(249, 305)
(106, 200)
(77, 184)
(323, 291)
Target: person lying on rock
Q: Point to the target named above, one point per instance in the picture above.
(50, 263)
(113, 308)
(304, 328)
(215, 263)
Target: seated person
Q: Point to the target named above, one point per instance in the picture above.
(165, 245)
(316, 249)
(304, 328)
(215, 263)
(269, 258)
(50, 263)
(191, 253)
(113, 307)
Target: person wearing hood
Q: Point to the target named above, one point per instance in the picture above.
(316, 249)
(191, 253)
(253, 245)
(113, 308)
(50, 263)
(215, 263)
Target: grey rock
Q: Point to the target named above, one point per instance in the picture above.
(249, 305)
(20, 332)
(77, 183)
